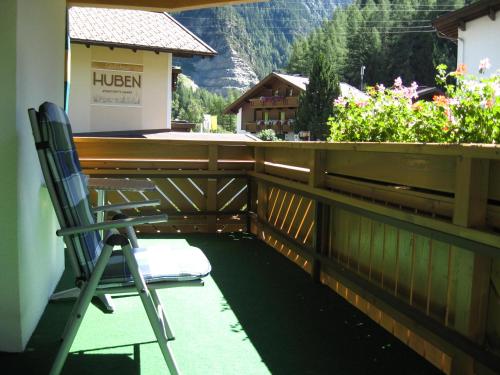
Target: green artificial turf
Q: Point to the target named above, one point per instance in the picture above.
(257, 314)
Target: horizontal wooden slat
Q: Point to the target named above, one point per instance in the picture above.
(291, 174)
(297, 158)
(483, 151)
(141, 151)
(235, 153)
(394, 195)
(124, 163)
(422, 171)
(161, 173)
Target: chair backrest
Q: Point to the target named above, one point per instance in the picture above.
(65, 181)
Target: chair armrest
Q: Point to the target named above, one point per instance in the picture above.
(120, 184)
(126, 205)
(109, 224)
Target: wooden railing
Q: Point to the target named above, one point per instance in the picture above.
(202, 186)
(410, 234)
(275, 102)
(279, 127)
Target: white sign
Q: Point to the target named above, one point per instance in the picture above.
(116, 84)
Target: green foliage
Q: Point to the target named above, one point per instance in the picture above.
(385, 36)
(315, 104)
(267, 135)
(191, 104)
(470, 112)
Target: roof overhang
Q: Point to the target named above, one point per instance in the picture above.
(449, 23)
(158, 5)
(136, 47)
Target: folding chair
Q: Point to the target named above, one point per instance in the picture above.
(98, 268)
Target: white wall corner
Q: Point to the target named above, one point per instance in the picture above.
(169, 91)
(239, 119)
(37, 259)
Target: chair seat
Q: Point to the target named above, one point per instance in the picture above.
(158, 264)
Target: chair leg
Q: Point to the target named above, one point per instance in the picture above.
(79, 310)
(161, 315)
(151, 312)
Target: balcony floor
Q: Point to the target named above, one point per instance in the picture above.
(257, 314)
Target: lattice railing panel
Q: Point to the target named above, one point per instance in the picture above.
(291, 214)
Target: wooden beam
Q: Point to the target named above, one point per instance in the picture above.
(263, 201)
(470, 208)
(212, 188)
(471, 192)
(161, 146)
(260, 158)
(158, 5)
(321, 237)
(317, 168)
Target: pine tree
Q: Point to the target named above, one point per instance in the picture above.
(391, 38)
(316, 103)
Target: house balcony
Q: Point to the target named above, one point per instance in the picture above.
(279, 127)
(327, 258)
(275, 102)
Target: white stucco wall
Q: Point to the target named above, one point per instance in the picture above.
(239, 122)
(480, 39)
(156, 102)
(31, 256)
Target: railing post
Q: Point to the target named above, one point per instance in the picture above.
(317, 174)
(260, 158)
(317, 166)
(470, 206)
(262, 199)
(212, 189)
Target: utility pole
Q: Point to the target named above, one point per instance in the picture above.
(362, 76)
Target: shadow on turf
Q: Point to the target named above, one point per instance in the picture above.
(297, 326)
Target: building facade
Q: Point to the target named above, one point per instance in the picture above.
(271, 104)
(476, 30)
(121, 68)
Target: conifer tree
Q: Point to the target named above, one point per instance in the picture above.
(316, 103)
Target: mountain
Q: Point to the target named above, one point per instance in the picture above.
(251, 39)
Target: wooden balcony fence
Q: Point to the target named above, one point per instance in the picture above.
(410, 234)
(275, 102)
(278, 126)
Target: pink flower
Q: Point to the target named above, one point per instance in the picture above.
(340, 101)
(380, 88)
(411, 93)
(484, 65)
(398, 82)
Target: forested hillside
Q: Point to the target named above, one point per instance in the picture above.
(191, 103)
(252, 39)
(390, 38)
